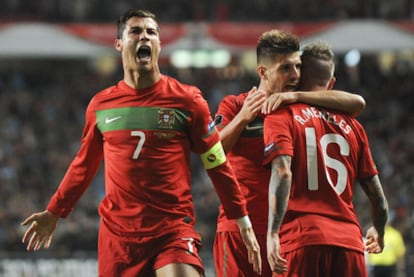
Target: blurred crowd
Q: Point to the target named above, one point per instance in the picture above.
(42, 104)
(213, 10)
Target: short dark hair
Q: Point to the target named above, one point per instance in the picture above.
(276, 42)
(121, 22)
(318, 63)
(320, 50)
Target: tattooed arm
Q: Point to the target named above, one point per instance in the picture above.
(379, 214)
(279, 189)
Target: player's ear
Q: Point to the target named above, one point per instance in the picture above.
(331, 83)
(262, 71)
(118, 44)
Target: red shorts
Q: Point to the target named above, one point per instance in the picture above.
(127, 256)
(325, 261)
(231, 259)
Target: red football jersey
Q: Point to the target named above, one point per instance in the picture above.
(330, 152)
(146, 136)
(246, 158)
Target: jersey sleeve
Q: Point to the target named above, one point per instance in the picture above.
(277, 132)
(226, 111)
(203, 132)
(82, 169)
(366, 167)
(204, 138)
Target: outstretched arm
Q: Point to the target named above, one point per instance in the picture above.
(350, 103)
(379, 214)
(251, 106)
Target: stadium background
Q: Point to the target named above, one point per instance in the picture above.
(50, 67)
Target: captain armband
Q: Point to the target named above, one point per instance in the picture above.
(214, 157)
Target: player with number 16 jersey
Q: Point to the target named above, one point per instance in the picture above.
(322, 188)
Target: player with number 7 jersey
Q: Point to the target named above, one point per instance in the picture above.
(144, 129)
(146, 138)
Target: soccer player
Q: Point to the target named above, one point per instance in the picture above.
(144, 127)
(316, 156)
(241, 130)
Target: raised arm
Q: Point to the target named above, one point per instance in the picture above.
(350, 103)
(379, 214)
(230, 133)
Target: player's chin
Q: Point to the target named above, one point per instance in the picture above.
(144, 66)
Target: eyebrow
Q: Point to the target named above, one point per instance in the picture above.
(144, 28)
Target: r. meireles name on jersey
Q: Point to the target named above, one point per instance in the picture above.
(312, 112)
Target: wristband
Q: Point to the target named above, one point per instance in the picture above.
(244, 222)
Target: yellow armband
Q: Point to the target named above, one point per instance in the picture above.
(214, 157)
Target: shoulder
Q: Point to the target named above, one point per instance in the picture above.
(234, 100)
(289, 109)
(185, 92)
(237, 98)
(111, 90)
(178, 86)
(183, 96)
(284, 115)
(107, 91)
(103, 94)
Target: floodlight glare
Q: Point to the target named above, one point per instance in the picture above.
(181, 58)
(352, 58)
(220, 58)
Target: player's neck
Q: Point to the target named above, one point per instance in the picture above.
(140, 80)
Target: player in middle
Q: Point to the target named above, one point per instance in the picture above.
(240, 122)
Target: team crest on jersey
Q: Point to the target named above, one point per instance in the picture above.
(166, 118)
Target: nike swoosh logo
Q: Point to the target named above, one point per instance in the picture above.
(250, 128)
(109, 120)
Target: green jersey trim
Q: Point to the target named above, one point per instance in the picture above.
(147, 118)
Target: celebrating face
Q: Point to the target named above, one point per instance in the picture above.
(140, 44)
(283, 73)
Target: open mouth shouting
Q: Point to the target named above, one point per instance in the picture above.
(144, 54)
